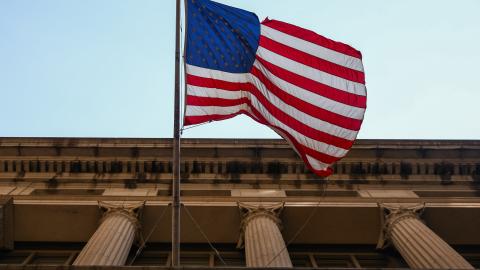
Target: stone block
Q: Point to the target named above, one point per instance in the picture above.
(6, 223)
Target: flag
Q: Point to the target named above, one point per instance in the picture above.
(308, 88)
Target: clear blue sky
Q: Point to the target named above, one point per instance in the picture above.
(104, 68)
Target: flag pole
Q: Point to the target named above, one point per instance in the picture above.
(176, 149)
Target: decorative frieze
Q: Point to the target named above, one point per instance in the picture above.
(157, 171)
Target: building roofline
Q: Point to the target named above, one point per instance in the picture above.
(157, 142)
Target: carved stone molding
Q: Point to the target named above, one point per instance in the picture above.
(250, 211)
(390, 214)
(130, 211)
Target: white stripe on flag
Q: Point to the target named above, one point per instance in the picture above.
(212, 92)
(305, 95)
(316, 164)
(312, 98)
(328, 149)
(208, 110)
(302, 139)
(302, 117)
(216, 74)
(312, 73)
(312, 49)
(295, 113)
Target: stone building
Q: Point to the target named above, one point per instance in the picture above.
(389, 204)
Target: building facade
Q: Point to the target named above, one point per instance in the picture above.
(390, 204)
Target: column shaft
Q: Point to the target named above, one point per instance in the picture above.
(264, 241)
(111, 242)
(421, 247)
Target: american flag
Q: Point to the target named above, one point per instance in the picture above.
(309, 89)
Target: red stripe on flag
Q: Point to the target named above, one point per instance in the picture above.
(256, 116)
(322, 157)
(300, 149)
(198, 119)
(280, 115)
(289, 121)
(312, 37)
(308, 108)
(213, 83)
(297, 125)
(312, 61)
(209, 101)
(319, 113)
(315, 87)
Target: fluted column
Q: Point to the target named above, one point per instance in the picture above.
(261, 237)
(419, 245)
(111, 242)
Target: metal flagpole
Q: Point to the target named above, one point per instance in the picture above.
(176, 149)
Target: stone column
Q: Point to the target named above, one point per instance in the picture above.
(419, 245)
(261, 237)
(111, 242)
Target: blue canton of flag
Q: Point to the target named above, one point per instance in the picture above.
(221, 37)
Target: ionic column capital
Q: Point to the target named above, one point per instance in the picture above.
(250, 211)
(271, 211)
(131, 211)
(390, 214)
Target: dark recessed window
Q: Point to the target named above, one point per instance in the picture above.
(77, 192)
(460, 193)
(321, 193)
(220, 193)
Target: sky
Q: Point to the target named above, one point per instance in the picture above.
(105, 68)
